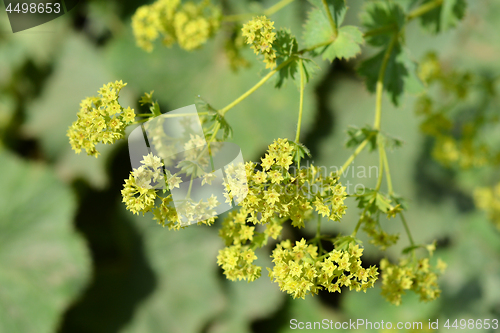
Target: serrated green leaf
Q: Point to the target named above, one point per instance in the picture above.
(317, 30)
(384, 17)
(342, 242)
(44, 261)
(147, 98)
(310, 68)
(203, 106)
(155, 109)
(392, 143)
(299, 151)
(191, 168)
(400, 73)
(337, 8)
(383, 203)
(227, 131)
(358, 135)
(445, 16)
(346, 45)
(286, 47)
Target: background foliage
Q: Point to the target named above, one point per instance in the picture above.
(71, 258)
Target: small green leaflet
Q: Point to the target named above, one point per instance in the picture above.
(147, 98)
(408, 249)
(358, 135)
(385, 18)
(400, 74)
(203, 106)
(317, 30)
(373, 201)
(299, 151)
(445, 16)
(286, 47)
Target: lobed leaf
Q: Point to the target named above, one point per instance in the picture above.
(337, 8)
(44, 262)
(400, 73)
(386, 18)
(317, 30)
(445, 16)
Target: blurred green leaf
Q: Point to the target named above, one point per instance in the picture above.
(384, 17)
(247, 302)
(400, 74)
(286, 46)
(44, 262)
(445, 16)
(79, 73)
(358, 135)
(187, 293)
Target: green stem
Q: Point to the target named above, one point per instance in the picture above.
(139, 121)
(408, 233)
(380, 164)
(268, 12)
(277, 7)
(301, 102)
(380, 81)
(381, 30)
(387, 173)
(330, 18)
(351, 158)
(188, 195)
(424, 9)
(314, 47)
(356, 228)
(255, 87)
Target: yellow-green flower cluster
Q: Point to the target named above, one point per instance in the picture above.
(275, 191)
(237, 263)
(416, 275)
(189, 24)
(378, 236)
(458, 142)
(101, 119)
(142, 189)
(277, 194)
(464, 153)
(259, 33)
(488, 200)
(139, 191)
(299, 271)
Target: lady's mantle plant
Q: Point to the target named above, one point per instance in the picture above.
(278, 195)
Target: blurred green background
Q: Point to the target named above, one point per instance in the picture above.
(73, 260)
